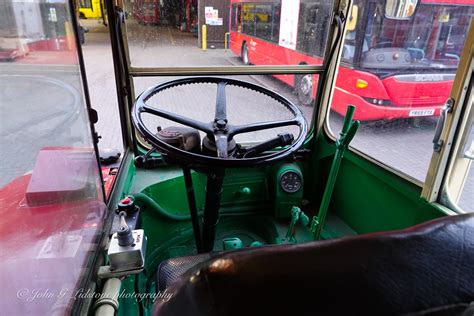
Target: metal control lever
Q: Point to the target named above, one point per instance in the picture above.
(124, 234)
(126, 251)
(349, 129)
(279, 141)
(147, 161)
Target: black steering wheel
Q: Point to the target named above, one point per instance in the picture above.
(219, 131)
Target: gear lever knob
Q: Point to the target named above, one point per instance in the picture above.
(124, 235)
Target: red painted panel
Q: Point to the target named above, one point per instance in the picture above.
(45, 249)
(417, 93)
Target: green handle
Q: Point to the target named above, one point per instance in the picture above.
(348, 119)
(351, 133)
(347, 133)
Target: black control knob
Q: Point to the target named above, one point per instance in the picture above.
(126, 205)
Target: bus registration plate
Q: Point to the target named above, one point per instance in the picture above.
(427, 112)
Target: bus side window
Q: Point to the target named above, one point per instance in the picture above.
(86, 4)
(313, 28)
(263, 21)
(234, 19)
(239, 14)
(248, 25)
(276, 23)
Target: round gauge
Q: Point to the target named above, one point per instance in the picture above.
(291, 181)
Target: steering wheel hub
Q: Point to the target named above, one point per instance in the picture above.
(209, 147)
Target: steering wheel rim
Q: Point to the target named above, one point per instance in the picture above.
(220, 129)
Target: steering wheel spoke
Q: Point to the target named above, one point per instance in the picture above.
(205, 127)
(221, 106)
(240, 129)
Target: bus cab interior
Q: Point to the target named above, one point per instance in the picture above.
(205, 216)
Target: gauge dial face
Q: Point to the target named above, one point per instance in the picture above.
(291, 182)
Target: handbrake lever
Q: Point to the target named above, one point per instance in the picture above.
(279, 141)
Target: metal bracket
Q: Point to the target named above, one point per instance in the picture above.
(437, 141)
(105, 272)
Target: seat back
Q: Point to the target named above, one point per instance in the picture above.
(389, 273)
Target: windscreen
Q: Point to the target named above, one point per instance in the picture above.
(431, 39)
(229, 33)
(212, 32)
(51, 203)
(399, 74)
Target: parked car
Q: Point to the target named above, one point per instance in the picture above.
(12, 48)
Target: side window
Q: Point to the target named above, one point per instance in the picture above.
(399, 78)
(276, 23)
(239, 14)
(349, 48)
(465, 196)
(234, 18)
(86, 4)
(312, 30)
(248, 19)
(263, 21)
(52, 204)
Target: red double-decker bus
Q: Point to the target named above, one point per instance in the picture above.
(391, 68)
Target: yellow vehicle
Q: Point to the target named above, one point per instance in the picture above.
(91, 9)
(252, 12)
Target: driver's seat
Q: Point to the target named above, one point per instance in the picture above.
(427, 269)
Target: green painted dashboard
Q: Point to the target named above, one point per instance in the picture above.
(367, 198)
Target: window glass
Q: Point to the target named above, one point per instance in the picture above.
(438, 47)
(348, 50)
(263, 21)
(160, 33)
(52, 206)
(466, 197)
(276, 23)
(311, 34)
(349, 47)
(85, 4)
(400, 75)
(261, 33)
(235, 18)
(248, 19)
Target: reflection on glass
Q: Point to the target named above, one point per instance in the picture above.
(51, 205)
(400, 9)
(466, 200)
(274, 32)
(466, 197)
(399, 73)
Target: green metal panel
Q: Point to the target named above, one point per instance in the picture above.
(283, 201)
(368, 197)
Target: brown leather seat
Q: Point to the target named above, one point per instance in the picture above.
(428, 267)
